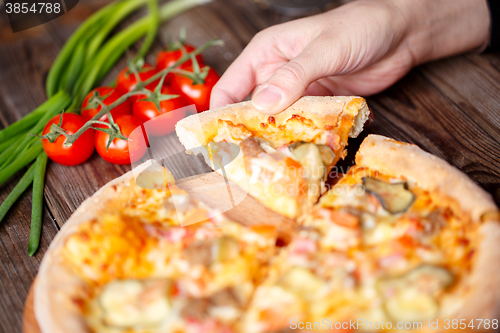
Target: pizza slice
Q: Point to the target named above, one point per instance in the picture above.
(150, 258)
(403, 237)
(281, 160)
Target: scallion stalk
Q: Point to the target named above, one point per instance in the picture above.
(20, 162)
(12, 154)
(37, 203)
(118, 44)
(23, 184)
(154, 13)
(65, 54)
(11, 142)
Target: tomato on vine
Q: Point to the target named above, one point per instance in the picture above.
(122, 151)
(171, 54)
(113, 94)
(199, 93)
(78, 152)
(127, 80)
(161, 122)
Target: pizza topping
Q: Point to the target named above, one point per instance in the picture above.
(224, 305)
(226, 249)
(308, 154)
(300, 281)
(395, 198)
(339, 237)
(296, 128)
(344, 218)
(205, 252)
(226, 297)
(302, 245)
(430, 278)
(199, 253)
(251, 147)
(412, 297)
(196, 308)
(134, 303)
(230, 132)
(409, 305)
(327, 155)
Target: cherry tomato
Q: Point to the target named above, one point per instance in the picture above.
(199, 94)
(127, 81)
(122, 151)
(79, 151)
(124, 108)
(161, 122)
(170, 56)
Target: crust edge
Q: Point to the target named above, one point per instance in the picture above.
(55, 285)
(194, 130)
(399, 159)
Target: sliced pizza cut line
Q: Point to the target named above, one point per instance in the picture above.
(417, 246)
(283, 160)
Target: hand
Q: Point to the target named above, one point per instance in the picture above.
(357, 49)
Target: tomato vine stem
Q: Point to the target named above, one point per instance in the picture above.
(139, 89)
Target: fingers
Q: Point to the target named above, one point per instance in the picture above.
(234, 85)
(239, 79)
(290, 81)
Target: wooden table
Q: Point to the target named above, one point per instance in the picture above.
(450, 108)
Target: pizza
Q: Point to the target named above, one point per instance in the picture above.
(150, 258)
(402, 237)
(282, 160)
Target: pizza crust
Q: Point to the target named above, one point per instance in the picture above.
(57, 288)
(481, 298)
(428, 172)
(197, 130)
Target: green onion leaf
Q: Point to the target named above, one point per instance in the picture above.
(37, 203)
(23, 184)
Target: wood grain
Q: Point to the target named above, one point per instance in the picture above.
(449, 108)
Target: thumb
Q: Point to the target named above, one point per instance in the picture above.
(289, 82)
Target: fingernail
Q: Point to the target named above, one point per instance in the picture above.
(267, 98)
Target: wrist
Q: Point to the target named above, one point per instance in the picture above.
(440, 28)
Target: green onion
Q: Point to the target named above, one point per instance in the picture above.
(29, 120)
(120, 13)
(10, 142)
(37, 203)
(23, 184)
(15, 152)
(20, 162)
(24, 123)
(153, 28)
(118, 44)
(83, 61)
(64, 56)
(75, 67)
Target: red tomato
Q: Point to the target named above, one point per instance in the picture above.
(127, 81)
(124, 108)
(79, 151)
(170, 56)
(199, 94)
(161, 122)
(122, 151)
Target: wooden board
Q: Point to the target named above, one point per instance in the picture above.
(448, 107)
(216, 192)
